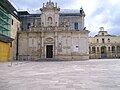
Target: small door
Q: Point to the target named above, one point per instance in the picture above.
(49, 51)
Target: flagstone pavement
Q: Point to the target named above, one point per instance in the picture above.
(97, 74)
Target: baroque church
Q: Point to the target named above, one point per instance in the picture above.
(53, 34)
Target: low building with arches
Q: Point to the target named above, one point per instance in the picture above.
(104, 45)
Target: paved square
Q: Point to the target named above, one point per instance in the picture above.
(62, 75)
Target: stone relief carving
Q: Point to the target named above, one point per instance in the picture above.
(49, 40)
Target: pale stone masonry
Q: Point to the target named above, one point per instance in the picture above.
(52, 34)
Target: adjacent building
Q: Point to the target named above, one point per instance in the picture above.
(8, 30)
(53, 34)
(104, 45)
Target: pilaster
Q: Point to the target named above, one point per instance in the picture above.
(56, 43)
(42, 46)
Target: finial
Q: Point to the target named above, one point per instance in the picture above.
(49, 0)
(55, 4)
(81, 8)
(101, 28)
(43, 4)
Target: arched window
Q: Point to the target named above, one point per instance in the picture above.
(49, 20)
(118, 48)
(97, 41)
(97, 49)
(103, 40)
(102, 34)
(113, 48)
(93, 50)
(89, 49)
(108, 48)
(108, 40)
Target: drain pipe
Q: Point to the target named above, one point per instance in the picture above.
(17, 45)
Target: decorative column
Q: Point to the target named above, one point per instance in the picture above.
(42, 46)
(28, 55)
(115, 51)
(56, 44)
(90, 50)
(110, 51)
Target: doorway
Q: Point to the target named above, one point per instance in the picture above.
(103, 52)
(49, 51)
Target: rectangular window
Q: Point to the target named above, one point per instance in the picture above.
(103, 41)
(76, 26)
(76, 48)
(28, 25)
(12, 21)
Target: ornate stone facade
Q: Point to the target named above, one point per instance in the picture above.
(52, 34)
(104, 45)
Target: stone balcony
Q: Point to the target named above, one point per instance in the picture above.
(54, 29)
(49, 29)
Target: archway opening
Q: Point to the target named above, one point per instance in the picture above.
(103, 52)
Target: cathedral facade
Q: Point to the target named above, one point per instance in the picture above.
(52, 34)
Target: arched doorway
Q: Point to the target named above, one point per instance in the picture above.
(103, 52)
(113, 49)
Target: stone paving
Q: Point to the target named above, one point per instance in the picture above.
(62, 75)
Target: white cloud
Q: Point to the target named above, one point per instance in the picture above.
(114, 2)
(98, 12)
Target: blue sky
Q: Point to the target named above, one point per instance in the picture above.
(99, 13)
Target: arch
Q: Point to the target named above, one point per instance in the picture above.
(109, 49)
(113, 49)
(89, 49)
(93, 49)
(108, 40)
(118, 48)
(102, 33)
(103, 49)
(103, 52)
(98, 49)
(97, 40)
(103, 40)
